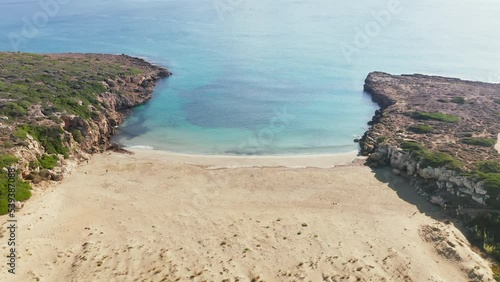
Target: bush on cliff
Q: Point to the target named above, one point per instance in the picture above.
(484, 142)
(41, 79)
(7, 160)
(77, 135)
(413, 146)
(439, 159)
(48, 162)
(421, 128)
(431, 158)
(434, 116)
(488, 166)
(458, 100)
(49, 137)
(22, 188)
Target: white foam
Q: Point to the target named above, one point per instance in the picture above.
(141, 147)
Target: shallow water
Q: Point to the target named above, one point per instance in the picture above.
(263, 77)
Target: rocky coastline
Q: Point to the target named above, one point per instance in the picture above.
(123, 82)
(477, 112)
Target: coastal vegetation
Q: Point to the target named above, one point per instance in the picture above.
(432, 158)
(65, 84)
(421, 128)
(50, 137)
(485, 142)
(22, 188)
(434, 116)
(48, 162)
(489, 173)
(458, 100)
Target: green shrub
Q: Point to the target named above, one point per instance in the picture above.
(49, 137)
(13, 110)
(20, 133)
(48, 162)
(77, 135)
(413, 146)
(55, 119)
(458, 100)
(34, 164)
(8, 144)
(439, 159)
(484, 142)
(7, 160)
(488, 166)
(382, 139)
(430, 158)
(491, 183)
(434, 116)
(22, 191)
(421, 128)
(497, 101)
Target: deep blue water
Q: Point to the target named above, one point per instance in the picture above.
(263, 77)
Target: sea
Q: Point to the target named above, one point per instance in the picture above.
(262, 77)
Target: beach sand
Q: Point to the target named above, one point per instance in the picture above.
(152, 217)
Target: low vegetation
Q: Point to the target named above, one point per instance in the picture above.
(486, 232)
(432, 158)
(64, 84)
(434, 116)
(51, 137)
(458, 100)
(496, 272)
(22, 188)
(484, 142)
(48, 162)
(489, 173)
(421, 128)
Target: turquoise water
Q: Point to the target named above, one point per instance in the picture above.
(263, 77)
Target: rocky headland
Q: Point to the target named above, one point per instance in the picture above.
(441, 133)
(436, 128)
(57, 109)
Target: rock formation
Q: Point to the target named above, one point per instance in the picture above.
(449, 120)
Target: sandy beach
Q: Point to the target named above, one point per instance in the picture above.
(154, 216)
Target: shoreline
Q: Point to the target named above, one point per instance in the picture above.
(228, 161)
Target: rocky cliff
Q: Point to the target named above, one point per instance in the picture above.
(440, 132)
(67, 106)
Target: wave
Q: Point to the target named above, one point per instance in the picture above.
(141, 147)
